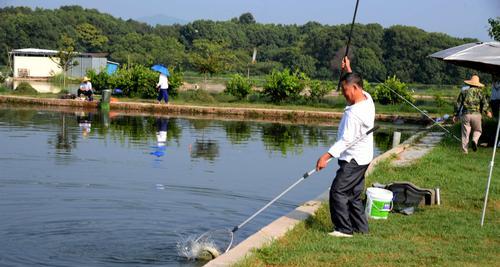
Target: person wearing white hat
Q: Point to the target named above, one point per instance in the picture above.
(471, 103)
(85, 89)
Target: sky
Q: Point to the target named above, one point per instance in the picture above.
(458, 18)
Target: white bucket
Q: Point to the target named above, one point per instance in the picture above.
(378, 203)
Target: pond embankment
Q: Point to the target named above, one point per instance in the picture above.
(278, 228)
(299, 116)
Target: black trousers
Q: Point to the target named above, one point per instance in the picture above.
(87, 93)
(346, 208)
(495, 104)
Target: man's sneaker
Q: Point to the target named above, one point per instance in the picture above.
(339, 234)
(474, 146)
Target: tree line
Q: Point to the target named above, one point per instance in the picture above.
(227, 46)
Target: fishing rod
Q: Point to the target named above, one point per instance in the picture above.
(421, 111)
(348, 41)
(305, 176)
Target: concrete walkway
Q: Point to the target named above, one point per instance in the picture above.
(412, 149)
(418, 150)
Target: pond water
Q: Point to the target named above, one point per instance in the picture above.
(89, 189)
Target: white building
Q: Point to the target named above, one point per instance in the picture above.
(41, 63)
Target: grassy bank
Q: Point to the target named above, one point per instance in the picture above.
(446, 235)
(331, 103)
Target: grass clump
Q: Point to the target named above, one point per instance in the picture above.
(197, 96)
(24, 88)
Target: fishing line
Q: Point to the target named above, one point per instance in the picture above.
(421, 111)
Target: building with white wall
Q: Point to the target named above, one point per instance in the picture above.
(41, 63)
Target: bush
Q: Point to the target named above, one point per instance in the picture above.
(281, 86)
(99, 81)
(2, 78)
(135, 81)
(24, 88)
(318, 90)
(175, 81)
(385, 93)
(200, 96)
(440, 102)
(368, 88)
(238, 86)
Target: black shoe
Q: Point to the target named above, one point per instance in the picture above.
(474, 146)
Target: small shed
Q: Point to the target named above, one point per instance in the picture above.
(112, 67)
(41, 63)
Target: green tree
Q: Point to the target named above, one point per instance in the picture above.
(318, 90)
(246, 18)
(91, 37)
(285, 85)
(238, 86)
(64, 58)
(209, 57)
(494, 30)
(369, 65)
(390, 90)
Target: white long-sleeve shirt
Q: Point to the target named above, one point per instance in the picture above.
(162, 82)
(357, 120)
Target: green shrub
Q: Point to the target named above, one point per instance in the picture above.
(318, 90)
(135, 81)
(368, 88)
(175, 81)
(238, 86)
(198, 96)
(24, 88)
(384, 95)
(2, 78)
(99, 81)
(284, 85)
(439, 101)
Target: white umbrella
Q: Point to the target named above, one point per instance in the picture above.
(480, 56)
(483, 56)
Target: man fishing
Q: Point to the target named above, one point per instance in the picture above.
(346, 207)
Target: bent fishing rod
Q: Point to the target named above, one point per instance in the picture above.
(419, 110)
(348, 42)
(305, 176)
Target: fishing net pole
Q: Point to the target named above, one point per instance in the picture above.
(211, 244)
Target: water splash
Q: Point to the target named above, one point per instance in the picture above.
(193, 248)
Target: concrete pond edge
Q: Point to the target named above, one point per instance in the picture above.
(240, 112)
(279, 227)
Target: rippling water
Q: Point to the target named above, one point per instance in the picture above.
(83, 189)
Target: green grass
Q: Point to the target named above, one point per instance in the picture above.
(435, 89)
(194, 77)
(446, 235)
